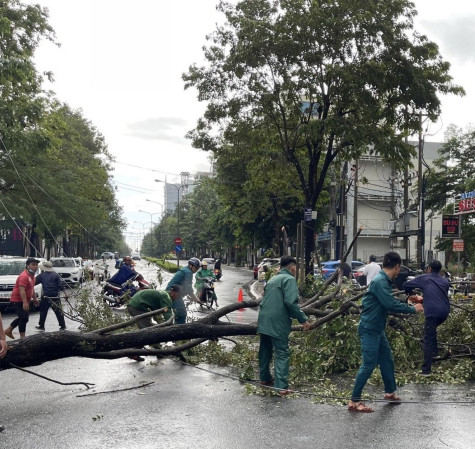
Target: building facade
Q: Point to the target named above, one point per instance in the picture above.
(374, 202)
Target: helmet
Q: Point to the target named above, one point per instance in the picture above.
(195, 262)
(204, 263)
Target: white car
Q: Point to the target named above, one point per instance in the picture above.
(69, 268)
(10, 269)
(135, 256)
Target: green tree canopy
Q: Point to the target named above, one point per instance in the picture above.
(327, 78)
(54, 163)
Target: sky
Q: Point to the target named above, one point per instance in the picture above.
(121, 63)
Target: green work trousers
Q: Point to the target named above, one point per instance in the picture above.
(281, 360)
(376, 351)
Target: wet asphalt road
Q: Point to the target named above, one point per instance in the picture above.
(189, 408)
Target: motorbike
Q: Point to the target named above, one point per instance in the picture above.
(116, 295)
(208, 295)
(218, 273)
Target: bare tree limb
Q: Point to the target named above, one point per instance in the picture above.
(87, 385)
(115, 391)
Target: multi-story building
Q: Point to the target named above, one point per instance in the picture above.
(375, 202)
(174, 192)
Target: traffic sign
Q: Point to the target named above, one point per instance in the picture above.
(457, 245)
(178, 248)
(178, 241)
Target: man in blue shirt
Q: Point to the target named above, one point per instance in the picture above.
(184, 278)
(435, 291)
(377, 303)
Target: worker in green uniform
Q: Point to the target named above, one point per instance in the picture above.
(184, 278)
(147, 300)
(278, 308)
(377, 302)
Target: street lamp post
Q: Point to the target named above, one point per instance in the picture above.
(161, 226)
(178, 212)
(151, 228)
(143, 228)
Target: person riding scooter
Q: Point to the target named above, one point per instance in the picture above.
(199, 277)
(126, 271)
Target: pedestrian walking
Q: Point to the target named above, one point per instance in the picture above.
(23, 292)
(184, 278)
(277, 309)
(377, 302)
(371, 269)
(52, 288)
(435, 291)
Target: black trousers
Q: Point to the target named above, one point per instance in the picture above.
(430, 341)
(55, 304)
(23, 318)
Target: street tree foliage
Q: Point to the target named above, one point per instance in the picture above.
(255, 182)
(454, 174)
(204, 224)
(318, 82)
(54, 163)
(22, 99)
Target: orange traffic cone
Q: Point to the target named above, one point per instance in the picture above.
(240, 299)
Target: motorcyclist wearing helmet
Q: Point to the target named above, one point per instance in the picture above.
(204, 273)
(184, 278)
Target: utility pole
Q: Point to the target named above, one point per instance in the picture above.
(341, 212)
(420, 181)
(355, 212)
(393, 204)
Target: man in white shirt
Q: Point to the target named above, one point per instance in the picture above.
(371, 269)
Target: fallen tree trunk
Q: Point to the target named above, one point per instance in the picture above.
(48, 346)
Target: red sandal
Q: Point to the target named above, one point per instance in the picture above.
(359, 407)
(392, 398)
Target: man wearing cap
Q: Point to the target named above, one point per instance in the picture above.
(22, 293)
(371, 269)
(278, 308)
(52, 288)
(435, 291)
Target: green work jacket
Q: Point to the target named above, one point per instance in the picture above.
(279, 306)
(378, 301)
(148, 300)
